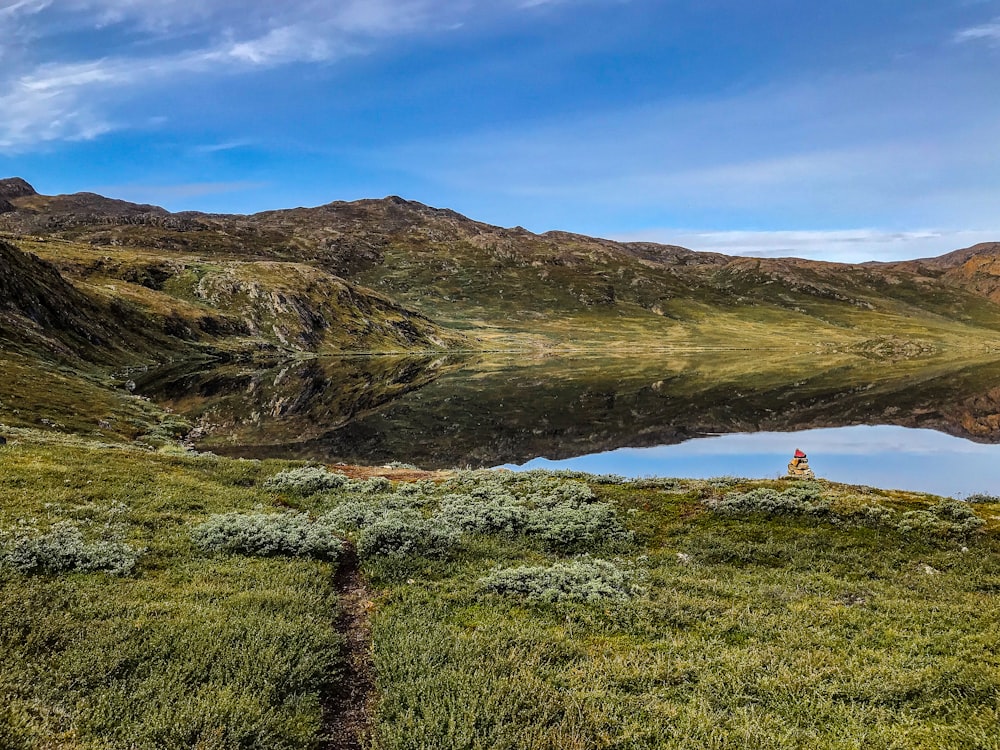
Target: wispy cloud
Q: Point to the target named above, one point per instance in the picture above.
(46, 100)
(853, 150)
(214, 148)
(842, 245)
(989, 32)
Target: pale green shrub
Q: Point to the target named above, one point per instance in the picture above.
(358, 514)
(400, 534)
(268, 535)
(563, 514)
(484, 512)
(412, 489)
(64, 548)
(726, 481)
(568, 526)
(981, 497)
(580, 580)
(368, 487)
(657, 483)
(573, 493)
(804, 498)
(947, 518)
(585, 477)
(874, 515)
(307, 480)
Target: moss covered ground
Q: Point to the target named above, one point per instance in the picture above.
(823, 626)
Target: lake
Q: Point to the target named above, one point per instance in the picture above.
(927, 423)
(878, 456)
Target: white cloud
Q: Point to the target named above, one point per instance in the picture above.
(989, 32)
(47, 100)
(914, 146)
(22, 7)
(842, 245)
(214, 148)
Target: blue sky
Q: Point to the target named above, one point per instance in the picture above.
(845, 130)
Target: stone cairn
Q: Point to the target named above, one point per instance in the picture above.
(798, 467)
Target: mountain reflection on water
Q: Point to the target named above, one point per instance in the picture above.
(445, 412)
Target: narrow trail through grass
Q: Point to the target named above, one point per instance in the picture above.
(347, 709)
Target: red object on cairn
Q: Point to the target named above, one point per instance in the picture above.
(799, 466)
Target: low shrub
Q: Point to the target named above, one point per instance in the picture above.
(950, 518)
(492, 512)
(307, 480)
(585, 477)
(573, 493)
(874, 516)
(569, 526)
(580, 580)
(401, 534)
(563, 514)
(410, 489)
(981, 497)
(805, 498)
(369, 487)
(64, 548)
(657, 483)
(268, 535)
(359, 514)
(726, 481)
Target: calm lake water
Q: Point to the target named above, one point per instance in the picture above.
(928, 424)
(879, 456)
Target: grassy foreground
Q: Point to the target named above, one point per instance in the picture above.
(750, 613)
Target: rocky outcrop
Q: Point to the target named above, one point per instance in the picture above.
(36, 302)
(15, 187)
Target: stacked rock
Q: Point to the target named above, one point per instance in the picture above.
(799, 466)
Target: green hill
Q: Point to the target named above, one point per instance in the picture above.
(96, 286)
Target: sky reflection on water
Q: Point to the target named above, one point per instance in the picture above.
(884, 456)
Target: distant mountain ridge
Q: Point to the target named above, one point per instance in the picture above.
(461, 272)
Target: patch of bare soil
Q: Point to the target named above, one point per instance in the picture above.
(396, 475)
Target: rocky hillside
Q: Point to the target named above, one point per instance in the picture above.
(97, 299)
(975, 268)
(41, 311)
(469, 274)
(212, 274)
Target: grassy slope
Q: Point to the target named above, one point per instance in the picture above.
(61, 398)
(194, 651)
(243, 305)
(514, 302)
(775, 633)
(75, 330)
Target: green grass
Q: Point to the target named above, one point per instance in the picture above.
(193, 650)
(770, 633)
(764, 631)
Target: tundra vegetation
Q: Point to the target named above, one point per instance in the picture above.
(150, 599)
